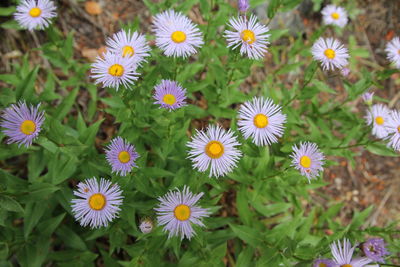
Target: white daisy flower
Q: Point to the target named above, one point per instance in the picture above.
(308, 159)
(251, 36)
(214, 148)
(261, 120)
(114, 70)
(98, 203)
(176, 34)
(177, 211)
(343, 255)
(35, 14)
(378, 117)
(393, 51)
(393, 128)
(334, 15)
(331, 53)
(129, 44)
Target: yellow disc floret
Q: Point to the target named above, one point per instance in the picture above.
(260, 121)
(379, 120)
(128, 51)
(178, 36)
(346, 265)
(35, 12)
(305, 161)
(97, 201)
(28, 127)
(116, 70)
(182, 212)
(169, 99)
(335, 15)
(248, 36)
(330, 53)
(214, 149)
(124, 157)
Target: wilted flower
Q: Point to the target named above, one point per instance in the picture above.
(251, 36)
(261, 120)
(243, 5)
(216, 149)
(375, 249)
(146, 226)
(331, 53)
(22, 123)
(176, 34)
(35, 14)
(98, 203)
(177, 211)
(367, 97)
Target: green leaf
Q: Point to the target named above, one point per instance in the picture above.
(247, 234)
(9, 204)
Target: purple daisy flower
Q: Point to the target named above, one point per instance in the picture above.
(378, 116)
(22, 123)
(98, 203)
(170, 95)
(121, 155)
(393, 129)
(324, 263)
(308, 159)
(177, 211)
(375, 249)
(343, 255)
(32, 14)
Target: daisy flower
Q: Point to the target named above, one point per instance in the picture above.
(114, 70)
(251, 36)
(393, 128)
(216, 149)
(176, 34)
(308, 159)
(129, 44)
(22, 123)
(367, 97)
(378, 117)
(375, 249)
(393, 51)
(343, 255)
(146, 226)
(324, 263)
(121, 155)
(334, 15)
(170, 95)
(261, 120)
(177, 211)
(32, 14)
(331, 53)
(97, 203)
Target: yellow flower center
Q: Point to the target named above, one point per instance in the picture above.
(260, 121)
(28, 127)
(398, 129)
(124, 156)
(398, 51)
(335, 15)
(379, 120)
(330, 53)
(97, 201)
(182, 212)
(169, 99)
(35, 12)
(116, 70)
(321, 264)
(346, 265)
(128, 51)
(178, 36)
(248, 36)
(214, 149)
(305, 161)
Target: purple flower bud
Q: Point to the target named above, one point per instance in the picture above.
(243, 5)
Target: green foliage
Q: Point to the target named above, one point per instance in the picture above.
(261, 214)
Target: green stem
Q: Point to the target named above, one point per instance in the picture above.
(355, 145)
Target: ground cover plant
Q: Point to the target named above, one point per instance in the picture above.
(198, 137)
